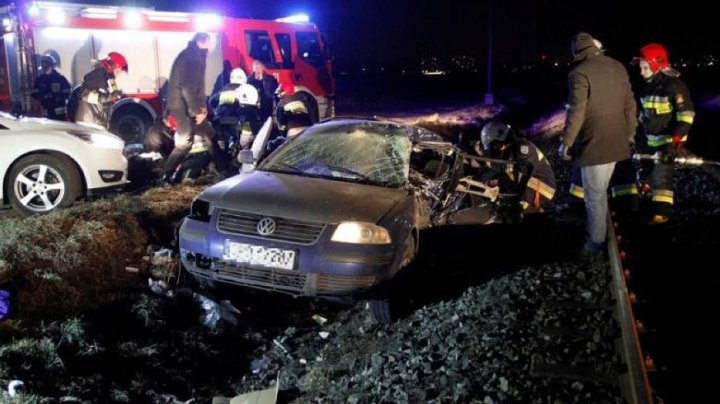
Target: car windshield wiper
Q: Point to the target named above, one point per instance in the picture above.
(346, 170)
(283, 165)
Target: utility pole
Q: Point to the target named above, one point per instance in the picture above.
(489, 98)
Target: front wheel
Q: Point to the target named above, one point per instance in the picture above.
(385, 310)
(42, 183)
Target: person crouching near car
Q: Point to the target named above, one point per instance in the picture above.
(98, 90)
(500, 141)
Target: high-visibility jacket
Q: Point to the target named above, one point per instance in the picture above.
(666, 110)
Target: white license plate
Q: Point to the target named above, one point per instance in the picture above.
(259, 255)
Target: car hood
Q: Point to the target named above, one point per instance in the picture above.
(44, 125)
(303, 198)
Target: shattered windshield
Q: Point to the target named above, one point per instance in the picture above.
(366, 153)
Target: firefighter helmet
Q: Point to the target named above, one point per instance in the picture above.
(285, 88)
(494, 131)
(237, 76)
(248, 95)
(48, 59)
(117, 60)
(656, 56)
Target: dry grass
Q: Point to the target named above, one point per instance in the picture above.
(75, 258)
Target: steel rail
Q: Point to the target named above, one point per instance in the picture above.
(634, 383)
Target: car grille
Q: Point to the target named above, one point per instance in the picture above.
(291, 282)
(293, 231)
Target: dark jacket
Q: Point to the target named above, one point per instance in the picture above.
(667, 110)
(186, 85)
(266, 90)
(52, 91)
(95, 96)
(601, 118)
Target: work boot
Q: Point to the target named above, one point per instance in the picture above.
(167, 181)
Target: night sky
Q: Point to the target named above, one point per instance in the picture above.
(401, 32)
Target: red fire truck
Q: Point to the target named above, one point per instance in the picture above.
(75, 34)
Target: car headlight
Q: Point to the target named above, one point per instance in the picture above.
(361, 233)
(200, 210)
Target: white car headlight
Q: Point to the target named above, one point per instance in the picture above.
(361, 233)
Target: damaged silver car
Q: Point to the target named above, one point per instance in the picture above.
(336, 211)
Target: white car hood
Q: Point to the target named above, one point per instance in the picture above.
(44, 125)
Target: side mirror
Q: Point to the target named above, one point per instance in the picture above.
(246, 157)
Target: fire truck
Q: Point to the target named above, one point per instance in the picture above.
(76, 34)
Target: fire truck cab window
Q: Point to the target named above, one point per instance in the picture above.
(283, 41)
(309, 48)
(260, 47)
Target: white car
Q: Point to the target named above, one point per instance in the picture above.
(45, 165)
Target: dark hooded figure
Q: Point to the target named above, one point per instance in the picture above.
(187, 99)
(599, 128)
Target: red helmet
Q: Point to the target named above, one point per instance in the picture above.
(118, 60)
(656, 55)
(286, 88)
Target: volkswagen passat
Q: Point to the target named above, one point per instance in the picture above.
(334, 211)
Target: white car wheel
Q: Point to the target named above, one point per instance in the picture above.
(42, 183)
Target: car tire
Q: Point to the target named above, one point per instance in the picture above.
(131, 123)
(41, 183)
(384, 310)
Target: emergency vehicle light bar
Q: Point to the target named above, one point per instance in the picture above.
(295, 19)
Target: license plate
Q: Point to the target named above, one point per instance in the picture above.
(259, 255)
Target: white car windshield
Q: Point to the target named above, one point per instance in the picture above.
(376, 154)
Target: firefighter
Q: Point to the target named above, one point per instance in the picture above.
(238, 103)
(236, 118)
(98, 90)
(665, 117)
(501, 142)
(292, 114)
(51, 90)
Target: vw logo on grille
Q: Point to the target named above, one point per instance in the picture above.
(266, 226)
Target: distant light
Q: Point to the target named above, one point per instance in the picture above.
(7, 24)
(55, 16)
(33, 10)
(132, 20)
(556, 64)
(207, 22)
(295, 19)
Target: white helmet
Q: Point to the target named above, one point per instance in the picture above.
(247, 95)
(494, 131)
(237, 76)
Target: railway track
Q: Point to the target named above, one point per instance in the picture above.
(634, 383)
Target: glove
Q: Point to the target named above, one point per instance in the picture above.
(563, 152)
(678, 147)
